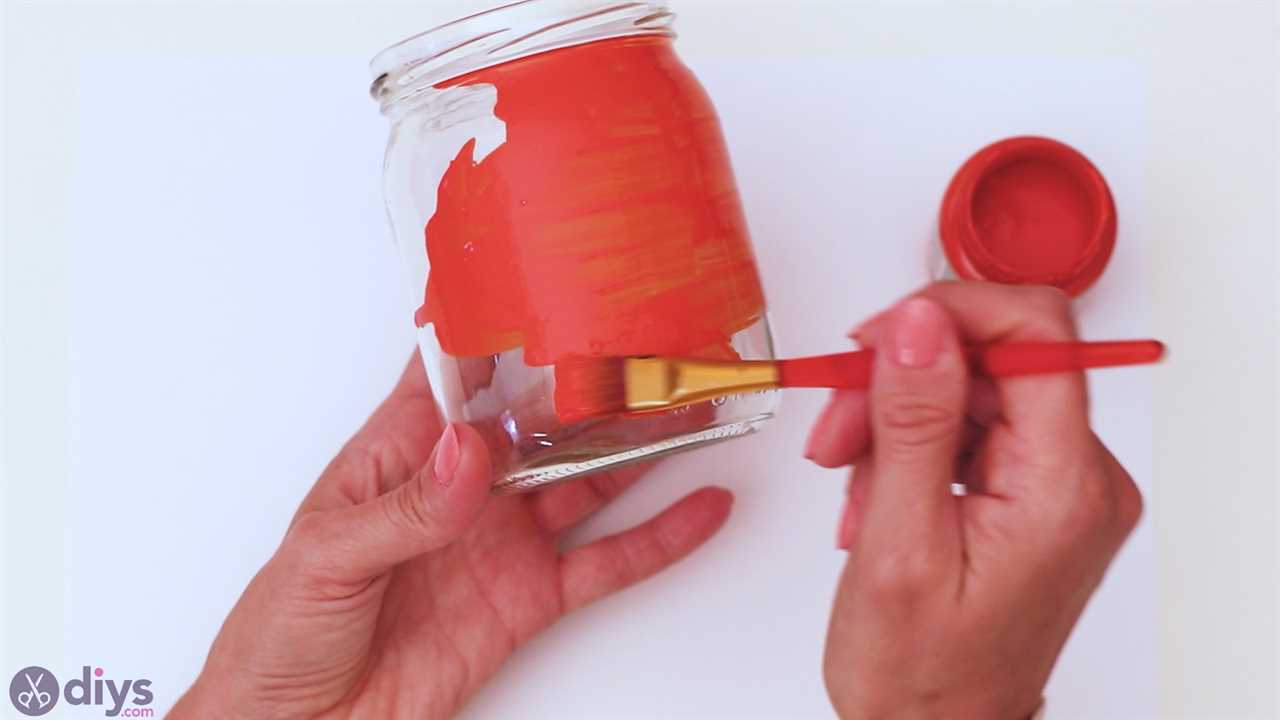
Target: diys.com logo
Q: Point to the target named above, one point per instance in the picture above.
(34, 691)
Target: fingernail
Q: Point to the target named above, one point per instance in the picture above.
(447, 454)
(915, 337)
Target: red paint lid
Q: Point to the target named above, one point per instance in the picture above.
(1029, 211)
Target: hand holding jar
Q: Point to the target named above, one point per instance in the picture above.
(402, 585)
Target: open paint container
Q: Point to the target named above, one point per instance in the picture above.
(1028, 211)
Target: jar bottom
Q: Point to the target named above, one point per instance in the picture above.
(551, 470)
(511, 405)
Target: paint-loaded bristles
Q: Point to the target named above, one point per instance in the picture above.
(588, 387)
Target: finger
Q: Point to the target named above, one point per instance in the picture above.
(983, 405)
(610, 564)
(475, 374)
(1126, 498)
(973, 469)
(868, 331)
(562, 506)
(855, 504)
(918, 392)
(404, 428)
(1040, 408)
(842, 431)
(393, 443)
(971, 436)
(428, 512)
(841, 434)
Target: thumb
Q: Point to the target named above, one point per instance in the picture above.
(426, 513)
(917, 401)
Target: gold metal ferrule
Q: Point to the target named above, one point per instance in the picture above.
(659, 383)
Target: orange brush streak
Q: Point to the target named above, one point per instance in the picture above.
(607, 223)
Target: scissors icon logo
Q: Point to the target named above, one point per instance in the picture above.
(34, 691)
(35, 694)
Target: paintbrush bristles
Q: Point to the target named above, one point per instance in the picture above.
(588, 387)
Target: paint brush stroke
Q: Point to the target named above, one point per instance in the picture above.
(608, 223)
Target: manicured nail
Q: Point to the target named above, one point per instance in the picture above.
(916, 333)
(447, 454)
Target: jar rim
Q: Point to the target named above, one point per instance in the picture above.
(504, 33)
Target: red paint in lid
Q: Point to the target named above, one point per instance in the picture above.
(1029, 211)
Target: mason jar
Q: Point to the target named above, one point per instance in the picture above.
(558, 185)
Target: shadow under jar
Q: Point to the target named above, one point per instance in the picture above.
(558, 185)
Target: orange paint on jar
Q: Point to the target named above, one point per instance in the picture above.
(607, 223)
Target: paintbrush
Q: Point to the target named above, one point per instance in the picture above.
(588, 387)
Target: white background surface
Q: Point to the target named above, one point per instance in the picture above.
(201, 301)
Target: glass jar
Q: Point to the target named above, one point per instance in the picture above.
(558, 184)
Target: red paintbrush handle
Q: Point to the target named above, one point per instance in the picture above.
(1030, 358)
(843, 370)
(853, 369)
